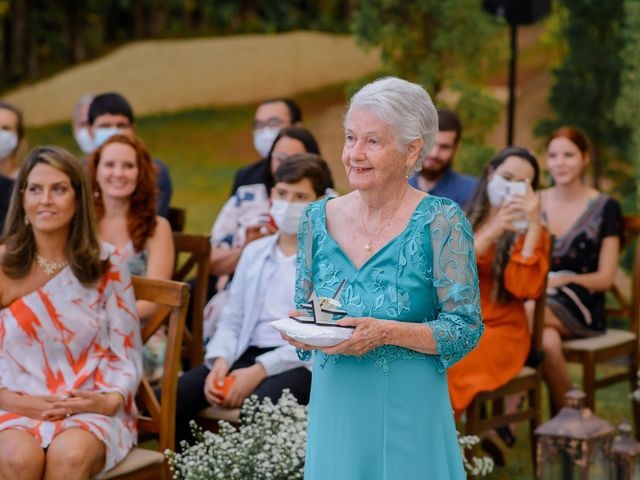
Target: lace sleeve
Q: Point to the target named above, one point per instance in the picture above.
(304, 279)
(458, 326)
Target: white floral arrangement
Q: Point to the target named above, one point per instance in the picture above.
(635, 395)
(474, 466)
(269, 444)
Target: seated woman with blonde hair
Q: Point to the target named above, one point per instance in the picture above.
(70, 353)
(122, 175)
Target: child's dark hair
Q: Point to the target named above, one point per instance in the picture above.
(305, 165)
(109, 103)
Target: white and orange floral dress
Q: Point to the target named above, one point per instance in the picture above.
(65, 336)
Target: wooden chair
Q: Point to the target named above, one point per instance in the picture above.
(615, 344)
(198, 248)
(177, 218)
(157, 417)
(209, 417)
(481, 418)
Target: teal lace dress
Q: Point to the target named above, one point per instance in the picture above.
(387, 415)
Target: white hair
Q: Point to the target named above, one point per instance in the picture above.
(406, 107)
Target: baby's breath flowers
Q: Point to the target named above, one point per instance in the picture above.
(269, 444)
(475, 466)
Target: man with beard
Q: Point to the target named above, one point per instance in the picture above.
(437, 176)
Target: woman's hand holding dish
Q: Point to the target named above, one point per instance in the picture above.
(368, 334)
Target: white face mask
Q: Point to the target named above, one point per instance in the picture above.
(263, 139)
(101, 135)
(496, 190)
(84, 140)
(286, 215)
(500, 190)
(8, 142)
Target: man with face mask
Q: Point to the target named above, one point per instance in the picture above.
(246, 355)
(110, 114)
(271, 116)
(437, 176)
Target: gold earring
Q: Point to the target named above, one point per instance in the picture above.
(26, 220)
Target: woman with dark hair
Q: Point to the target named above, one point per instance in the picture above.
(122, 175)
(245, 216)
(512, 254)
(12, 139)
(70, 360)
(587, 228)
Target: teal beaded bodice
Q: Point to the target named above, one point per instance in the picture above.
(427, 274)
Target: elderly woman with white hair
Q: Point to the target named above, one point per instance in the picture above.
(379, 405)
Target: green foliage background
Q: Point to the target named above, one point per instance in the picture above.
(445, 46)
(587, 83)
(628, 105)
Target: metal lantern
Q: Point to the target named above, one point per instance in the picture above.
(625, 455)
(575, 444)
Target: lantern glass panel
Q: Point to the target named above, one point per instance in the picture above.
(560, 460)
(599, 467)
(625, 468)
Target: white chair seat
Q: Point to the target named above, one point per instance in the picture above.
(610, 338)
(526, 371)
(138, 458)
(231, 415)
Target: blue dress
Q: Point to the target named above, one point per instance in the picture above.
(386, 415)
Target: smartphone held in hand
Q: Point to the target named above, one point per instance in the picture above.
(516, 188)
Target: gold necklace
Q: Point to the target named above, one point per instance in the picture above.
(368, 247)
(49, 267)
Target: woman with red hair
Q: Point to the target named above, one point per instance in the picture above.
(587, 226)
(123, 179)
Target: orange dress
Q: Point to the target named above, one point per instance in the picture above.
(504, 345)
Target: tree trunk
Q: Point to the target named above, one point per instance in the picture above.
(33, 64)
(138, 19)
(20, 37)
(76, 26)
(158, 19)
(4, 41)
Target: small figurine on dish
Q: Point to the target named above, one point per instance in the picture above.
(318, 329)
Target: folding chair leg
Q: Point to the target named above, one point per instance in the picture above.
(635, 406)
(535, 405)
(588, 381)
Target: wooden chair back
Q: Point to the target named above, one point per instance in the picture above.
(197, 249)
(628, 304)
(487, 410)
(615, 344)
(177, 218)
(159, 416)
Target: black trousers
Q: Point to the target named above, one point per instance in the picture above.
(191, 399)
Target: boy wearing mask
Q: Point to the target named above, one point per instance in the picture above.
(110, 114)
(245, 350)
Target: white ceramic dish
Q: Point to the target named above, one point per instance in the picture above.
(312, 334)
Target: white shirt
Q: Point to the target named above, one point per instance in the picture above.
(276, 291)
(240, 313)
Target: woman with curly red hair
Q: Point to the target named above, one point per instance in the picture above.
(123, 179)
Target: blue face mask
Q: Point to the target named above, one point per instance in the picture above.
(101, 135)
